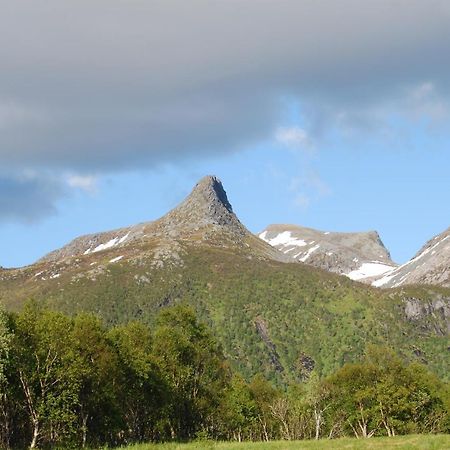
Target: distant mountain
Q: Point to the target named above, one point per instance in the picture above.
(205, 216)
(363, 256)
(431, 265)
(271, 314)
(359, 256)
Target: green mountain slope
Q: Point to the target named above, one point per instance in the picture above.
(279, 318)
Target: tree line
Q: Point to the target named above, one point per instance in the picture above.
(70, 381)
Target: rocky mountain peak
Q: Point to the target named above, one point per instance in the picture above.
(209, 190)
(207, 205)
(205, 216)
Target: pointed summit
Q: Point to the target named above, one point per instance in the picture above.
(207, 206)
(204, 217)
(210, 189)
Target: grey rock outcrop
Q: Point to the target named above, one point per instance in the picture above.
(360, 256)
(206, 206)
(431, 265)
(417, 310)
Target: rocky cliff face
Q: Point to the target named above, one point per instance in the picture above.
(360, 256)
(431, 265)
(438, 309)
(206, 209)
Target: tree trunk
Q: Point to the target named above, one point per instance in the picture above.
(363, 427)
(385, 420)
(35, 434)
(84, 429)
(33, 412)
(266, 436)
(318, 419)
(264, 429)
(331, 433)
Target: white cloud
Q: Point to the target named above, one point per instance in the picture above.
(424, 101)
(293, 137)
(86, 183)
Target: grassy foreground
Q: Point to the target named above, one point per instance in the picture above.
(425, 442)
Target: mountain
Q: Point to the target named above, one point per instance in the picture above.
(363, 256)
(359, 256)
(270, 314)
(431, 265)
(205, 216)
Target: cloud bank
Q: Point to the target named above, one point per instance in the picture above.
(109, 85)
(29, 197)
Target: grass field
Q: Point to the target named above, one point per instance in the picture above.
(425, 442)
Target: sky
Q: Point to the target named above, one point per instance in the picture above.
(330, 115)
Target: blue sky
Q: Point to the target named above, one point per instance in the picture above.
(402, 194)
(307, 112)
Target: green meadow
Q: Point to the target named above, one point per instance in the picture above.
(423, 442)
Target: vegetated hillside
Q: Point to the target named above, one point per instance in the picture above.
(271, 317)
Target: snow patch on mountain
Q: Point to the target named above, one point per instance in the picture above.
(360, 256)
(284, 239)
(368, 270)
(431, 265)
(110, 244)
(309, 252)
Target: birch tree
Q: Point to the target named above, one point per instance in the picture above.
(47, 373)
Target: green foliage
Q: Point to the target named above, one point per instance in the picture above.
(309, 315)
(99, 374)
(72, 382)
(238, 411)
(5, 342)
(382, 395)
(6, 337)
(144, 394)
(47, 370)
(193, 367)
(264, 351)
